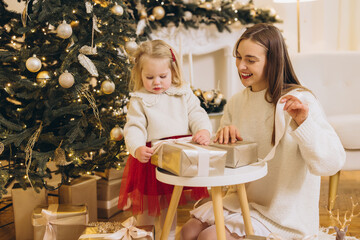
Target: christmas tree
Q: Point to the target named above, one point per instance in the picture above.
(63, 87)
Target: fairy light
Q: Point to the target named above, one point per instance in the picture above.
(15, 58)
(8, 84)
(43, 58)
(74, 11)
(32, 30)
(79, 100)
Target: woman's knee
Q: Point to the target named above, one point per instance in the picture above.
(208, 234)
(192, 228)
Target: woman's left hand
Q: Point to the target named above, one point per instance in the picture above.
(202, 137)
(296, 109)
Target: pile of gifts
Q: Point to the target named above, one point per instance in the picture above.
(184, 158)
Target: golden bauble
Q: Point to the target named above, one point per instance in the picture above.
(143, 14)
(220, 95)
(116, 133)
(108, 87)
(151, 18)
(207, 5)
(197, 92)
(33, 64)
(75, 23)
(208, 96)
(131, 46)
(66, 80)
(188, 15)
(158, 12)
(217, 101)
(93, 82)
(42, 77)
(64, 30)
(117, 10)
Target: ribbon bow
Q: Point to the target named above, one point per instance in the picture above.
(127, 233)
(49, 218)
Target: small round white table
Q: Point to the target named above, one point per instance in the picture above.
(232, 176)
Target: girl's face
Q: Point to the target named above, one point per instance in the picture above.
(156, 74)
(250, 62)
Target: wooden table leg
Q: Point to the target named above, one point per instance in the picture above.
(175, 198)
(216, 195)
(245, 209)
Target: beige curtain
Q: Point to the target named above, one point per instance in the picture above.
(349, 25)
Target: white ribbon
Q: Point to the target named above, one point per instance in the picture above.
(49, 219)
(127, 233)
(203, 155)
(278, 237)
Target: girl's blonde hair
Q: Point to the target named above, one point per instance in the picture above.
(155, 49)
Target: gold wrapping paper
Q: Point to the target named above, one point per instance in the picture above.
(107, 209)
(24, 202)
(116, 230)
(111, 174)
(108, 190)
(81, 191)
(184, 159)
(240, 153)
(59, 222)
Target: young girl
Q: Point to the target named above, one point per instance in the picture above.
(285, 202)
(161, 106)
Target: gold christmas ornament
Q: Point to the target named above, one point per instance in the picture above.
(217, 101)
(42, 77)
(131, 46)
(143, 14)
(64, 30)
(74, 23)
(66, 80)
(107, 87)
(188, 15)
(207, 5)
(116, 133)
(151, 18)
(208, 96)
(117, 10)
(197, 92)
(158, 12)
(33, 64)
(93, 82)
(220, 96)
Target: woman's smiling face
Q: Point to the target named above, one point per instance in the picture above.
(251, 62)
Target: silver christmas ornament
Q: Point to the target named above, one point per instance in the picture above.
(117, 10)
(64, 30)
(66, 80)
(33, 64)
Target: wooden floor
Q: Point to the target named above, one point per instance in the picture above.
(349, 187)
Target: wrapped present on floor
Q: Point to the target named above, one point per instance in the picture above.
(183, 158)
(111, 174)
(107, 197)
(80, 191)
(240, 153)
(59, 222)
(116, 230)
(24, 202)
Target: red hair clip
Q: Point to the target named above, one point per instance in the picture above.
(173, 55)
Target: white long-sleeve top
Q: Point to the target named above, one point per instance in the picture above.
(150, 116)
(286, 200)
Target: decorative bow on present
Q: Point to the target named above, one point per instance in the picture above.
(128, 232)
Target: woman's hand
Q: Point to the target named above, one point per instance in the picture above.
(202, 137)
(228, 134)
(296, 109)
(143, 154)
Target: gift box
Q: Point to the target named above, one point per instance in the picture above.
(183, 158)
(24, 202)
(117, 230)
(59, 222)
(240, 153)
(111, 174)
(81, 191)
(107, 197)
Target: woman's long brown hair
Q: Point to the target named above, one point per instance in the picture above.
(278, 69)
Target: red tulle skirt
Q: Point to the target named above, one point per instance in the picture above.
(139, 183)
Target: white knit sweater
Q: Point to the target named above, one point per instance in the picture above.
(286, 200)
(177, 111)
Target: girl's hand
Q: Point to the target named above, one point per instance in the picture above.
(296, 109)
(202, 137)
(143, 154)
(228, 133)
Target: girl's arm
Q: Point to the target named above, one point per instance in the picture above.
(318, 142)
(135, 128)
